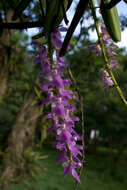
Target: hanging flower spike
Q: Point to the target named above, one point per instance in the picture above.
(54, 83)
(110, 47)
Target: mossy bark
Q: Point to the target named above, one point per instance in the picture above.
(21, 138)
(5, 54)
(3, 83)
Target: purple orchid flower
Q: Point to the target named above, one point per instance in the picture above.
(114, 64)
(61, 114)
(106, 79)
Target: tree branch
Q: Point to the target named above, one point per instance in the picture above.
(21, 25)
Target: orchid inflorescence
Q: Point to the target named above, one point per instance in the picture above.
(61, 110)
(110, 47)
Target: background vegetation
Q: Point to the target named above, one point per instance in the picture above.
(27, 160)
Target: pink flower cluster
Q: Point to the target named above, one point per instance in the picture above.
(110, 47)
(62, 112)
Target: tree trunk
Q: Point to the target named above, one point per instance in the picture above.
(3, 71)
(5, 54)
(113, 168)
(120, 148)
(92, 145)
(111, 152)
(3, 83)
(22, 137)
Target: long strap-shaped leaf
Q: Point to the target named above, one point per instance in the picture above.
(20, 8)
(77, 16)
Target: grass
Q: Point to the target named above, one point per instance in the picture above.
(99, 174)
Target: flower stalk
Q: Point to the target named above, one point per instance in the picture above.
(119, 91)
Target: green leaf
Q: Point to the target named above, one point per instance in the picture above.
(38, 93)
(43, 4)
(37, 36)
(20, 8)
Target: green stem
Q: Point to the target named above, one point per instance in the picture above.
(119, 91)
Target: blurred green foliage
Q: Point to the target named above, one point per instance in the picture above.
(96, 174)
